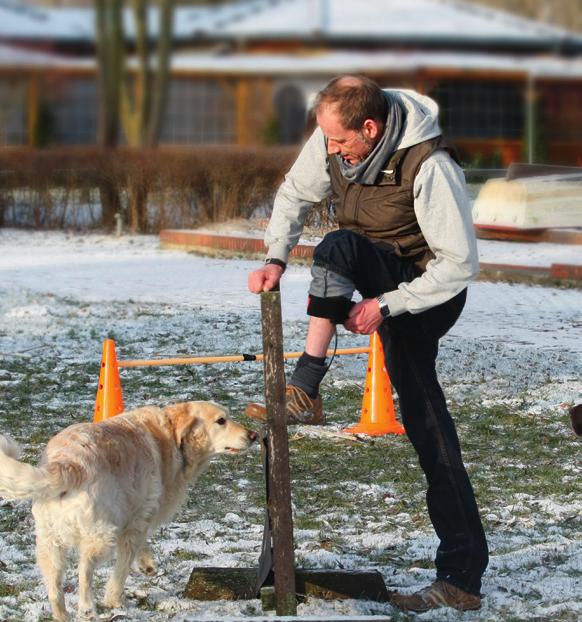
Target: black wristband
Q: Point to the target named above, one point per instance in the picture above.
(276, 262)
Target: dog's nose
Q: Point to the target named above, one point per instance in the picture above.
(252, 436)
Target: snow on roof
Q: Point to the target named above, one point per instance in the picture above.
(22, 21)
(324, 63)
(11, 56)
(449, 21)
(351, 62)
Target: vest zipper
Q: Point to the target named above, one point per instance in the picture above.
(357, 205)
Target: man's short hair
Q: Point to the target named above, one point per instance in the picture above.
(357, 98)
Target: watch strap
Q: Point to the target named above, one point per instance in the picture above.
(276, 262)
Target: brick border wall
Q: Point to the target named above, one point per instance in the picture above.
(188, 239)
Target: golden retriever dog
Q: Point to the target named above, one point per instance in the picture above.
(102, 488)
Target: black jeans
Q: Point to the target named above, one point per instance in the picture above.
(411, 347)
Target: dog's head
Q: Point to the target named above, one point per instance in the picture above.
(206, 427)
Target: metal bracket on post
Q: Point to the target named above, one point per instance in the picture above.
(265, 575)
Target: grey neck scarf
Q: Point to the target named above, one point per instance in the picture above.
(367, 171)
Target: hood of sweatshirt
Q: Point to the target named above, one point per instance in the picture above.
(422, 117)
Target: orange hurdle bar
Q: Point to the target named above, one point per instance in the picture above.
(235, 358)
(377, 417)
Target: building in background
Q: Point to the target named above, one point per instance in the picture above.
(244, 73)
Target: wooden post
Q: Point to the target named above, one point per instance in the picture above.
(531, 132)
(242, 112)
(279, 507)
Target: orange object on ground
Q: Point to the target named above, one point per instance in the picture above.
(377, 417)
(109, 400)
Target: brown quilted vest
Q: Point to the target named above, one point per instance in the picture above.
(384, 212)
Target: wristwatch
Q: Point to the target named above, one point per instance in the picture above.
(384, 310)
(276, 262)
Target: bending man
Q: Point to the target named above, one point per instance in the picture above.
(406, 244)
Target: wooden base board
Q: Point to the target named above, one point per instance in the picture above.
(314, 618)
(240, 584)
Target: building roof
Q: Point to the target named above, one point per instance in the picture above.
(338, 62)
(321, 64)
(21, 21)
(386, 21)
(451, 23)
(13, 57)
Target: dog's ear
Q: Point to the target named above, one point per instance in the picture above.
(183, 421)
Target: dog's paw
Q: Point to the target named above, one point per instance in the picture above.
(88, 614)
(113, 600)
(148, 569)
(146, 563)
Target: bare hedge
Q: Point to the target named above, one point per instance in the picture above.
(151, 190)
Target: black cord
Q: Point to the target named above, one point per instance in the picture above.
(334, 351)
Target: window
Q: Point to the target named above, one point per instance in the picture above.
(560, 111)
(198, 112)
(13, 130)
(479, 109)
(290, 109)
(72, 112)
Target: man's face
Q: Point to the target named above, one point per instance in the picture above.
(351, 145)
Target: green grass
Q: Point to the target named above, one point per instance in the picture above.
(6, 589)
(499, 444)
(181, 555)
(342, 490)
(11, 517)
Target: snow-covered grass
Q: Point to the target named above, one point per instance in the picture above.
(510, 368)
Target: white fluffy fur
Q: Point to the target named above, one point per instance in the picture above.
(102, 488)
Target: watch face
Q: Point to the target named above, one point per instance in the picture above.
(384, 310)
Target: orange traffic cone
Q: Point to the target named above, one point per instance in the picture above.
(377, 417)
(109, 400)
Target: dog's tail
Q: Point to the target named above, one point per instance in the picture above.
(19, 480)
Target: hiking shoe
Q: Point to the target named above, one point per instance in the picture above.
(439, 594)
(299, 408)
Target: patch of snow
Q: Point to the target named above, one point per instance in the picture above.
(519, 345)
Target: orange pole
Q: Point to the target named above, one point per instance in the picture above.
(200, 360)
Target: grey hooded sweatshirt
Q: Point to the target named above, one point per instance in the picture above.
(441, 206)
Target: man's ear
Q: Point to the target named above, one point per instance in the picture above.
(182, 421)
(372, 129)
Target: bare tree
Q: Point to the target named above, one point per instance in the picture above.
(110, 58)
(144, 93)
(132, 97)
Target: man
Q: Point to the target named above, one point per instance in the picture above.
(406, 243)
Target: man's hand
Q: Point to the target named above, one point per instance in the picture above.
(265, 279)
(365, 317)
